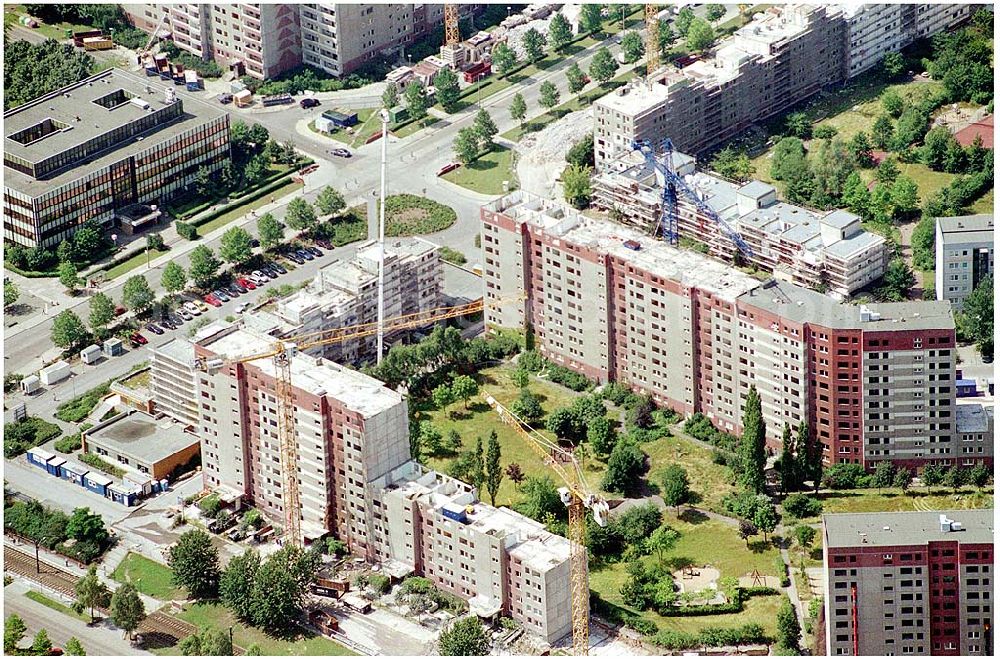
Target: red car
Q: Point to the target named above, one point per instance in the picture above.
(450, 167)
(249, 285)
(119, 310)
(138, 339)
(214, 301)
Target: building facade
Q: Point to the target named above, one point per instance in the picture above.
(963, 250)
(95, 147)
(909, 583)
(874, 383)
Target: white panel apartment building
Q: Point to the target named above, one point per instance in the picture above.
(963, 249)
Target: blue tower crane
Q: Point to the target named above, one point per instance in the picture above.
(674, 183)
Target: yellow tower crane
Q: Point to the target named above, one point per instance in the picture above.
(452, 32)
(578, 497)
(284, 350)
(652, 38)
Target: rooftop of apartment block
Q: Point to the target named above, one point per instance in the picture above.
(179, 350)
(72, 116)
(320, 377)
(973, 417)
(957, 229)
(145, 437)
(908, 528)
(685, 266)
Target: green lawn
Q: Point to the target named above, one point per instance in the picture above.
(487, 174)
(891, 500)
(243, 209)
(149, 577)
(368, 124)
(984, 204)
(45, 600)
(13, 13)
(709, 481)
(136, 261)
(411, 128)
(305, 644)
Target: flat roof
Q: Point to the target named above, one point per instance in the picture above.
(906, 528)
(974, 417)
(958, 229)
(78, 101)
(146, 438)
(179, 350)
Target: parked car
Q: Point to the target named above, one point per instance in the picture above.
(242, 306)
(307, 103)
(238, 286)
(233, 290)
(280, 268)
(260, 275)
(292, 256)
(201, 305)
(220, 295)
(324, 243)
(270, 272)
(185, 314)
(154, 328)
(246, 283)
(225, 99)
(450, 167)
(304, 254)
(340, 153)
(168, 323)
(138, 339)
(119, 310)
(211, 299)
(315, 251)
(255, 242)
(192, 309)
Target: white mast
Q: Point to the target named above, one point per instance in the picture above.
(384, 114)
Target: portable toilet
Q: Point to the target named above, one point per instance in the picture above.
(73, 473)
(54, 466)
(31, 384)
(54, 373)
(91, 354)
(97, 483)
(113, 347)
(39, 457)
(164, 485)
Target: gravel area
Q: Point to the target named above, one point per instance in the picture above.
(543, 154)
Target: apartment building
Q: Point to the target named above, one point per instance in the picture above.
(770, 64)
(345, 293)
(778, 60)
(827, 251)
(874, 382)
(173, 380)
(501, 562)
(909, 583)
(93, 148)
(963, 250)
(974, 424)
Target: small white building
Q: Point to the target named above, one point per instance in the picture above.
(91, 354)
(31, 384)
(54, 373)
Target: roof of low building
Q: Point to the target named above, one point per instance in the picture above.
(143, 437)
(973, 418)
(982, 128)
(906, 528)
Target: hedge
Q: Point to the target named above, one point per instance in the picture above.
(779, 565)
(125, 256)
(30, 274)
(92, 460)
(241, 201)
(274, 176)
(186, 231)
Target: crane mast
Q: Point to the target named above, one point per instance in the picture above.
(452, 32)
(652, 39)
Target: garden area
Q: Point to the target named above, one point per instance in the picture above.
(487, 173)
(412, 215)
(32, 431)
(148, 577)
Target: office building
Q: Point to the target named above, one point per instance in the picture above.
(963, 251)
(345, 293)
(909, 583)
(874, 382)
(828, 251)
(96, 147)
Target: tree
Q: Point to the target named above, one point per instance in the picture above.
(905, 201)
(477, 470)
(666, 38)
(683, 21)
(300, 215)
(560, 31)
(10, 293)
(504, 58)
(893, 64)
(237, 581)
(700, 35)
(714, 12)
(235, 246)
(632, 46)
(42, 644)
(932, 475)
(625, 466)
(256, 170)
(883, 476)
(270, 231)
(330, 201)
(466, 145)
(575, 79)
(442, 396)
(533, 43)
(68, 276)
(494, 474)
(416, 101)
(485, 129)
(68, 330)
(14, 630)
(446, 87)
(882, 131)
(390, 97)
(601, 435)
(515, 473)
(540, 499)
(887, 171)
(279, 587)
(752, 453)
(430, 438)
(892, 103)
(765, 518)
(789, 158)
(518, 108)
(528, 406)
(563, 423)
(747, 530)
(203, 266)
(86, 526)
(209, 642)
(548, 95)
(137, 295)
(465, 638)
(954, 478)
(603, 66)
(979, 475)
(74, 648)
(576, 185)
(797, 124)
(788, 471)
(902, 479)
(880, 204)
(788, 626)
(804, 535)
(860, 148)
(935, 148)
(102, 312)
(976, 318)
(662, 541)
(590, 18)
(195, 564)
(897, 281)
(91, 592)
(173, 280)
(733, 164)
(674, 486)
(127, 609)
(464, 388)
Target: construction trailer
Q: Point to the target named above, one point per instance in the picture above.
(54, 373)
(31, 384)
(177, 73)
(91, 354)
(192, 81)
(98, 43)
(341, 119)
(243, 99)
(39, 457)
(478, 71)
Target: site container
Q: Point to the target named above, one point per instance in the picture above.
(192, 81)
(91, 354)
(54, 373)
(31, 384)
(97, 483)
(73, 473)
(39, 457)
(98, 43)
(54, 466)
(454, 511)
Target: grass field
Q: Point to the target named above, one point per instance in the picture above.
(984, 204)
(136, 261)
(411, 128)
(243, 209)
(13, 13)
(368, 124)
(149, 577)
(304, 644)
(891, 499)
(487, 174)
(45, 600)
(709, 482)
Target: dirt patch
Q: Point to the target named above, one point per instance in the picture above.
(411, 215)
(696, 578)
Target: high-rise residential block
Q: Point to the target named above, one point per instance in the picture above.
(963, 249)
(909, 583)
(94, 148)
(873, 382)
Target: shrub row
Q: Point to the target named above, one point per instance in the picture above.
(194, 210)
(20, 436)
(30, 274)
(94, 461)
(69, 443)
(245, 199)
(711, 637)
(779, 565)
(77, 409)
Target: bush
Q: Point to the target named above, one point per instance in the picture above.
(782, 569)
(77, 409)
(801, 505)
(69, 443)
(844, 476)
(452, 255)
(379, 583)
(96, 462)
(408, 215)
(568, 378)
(699, 427)
(210, 505)
(31, 432)
(186, 231)
(241, 201)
